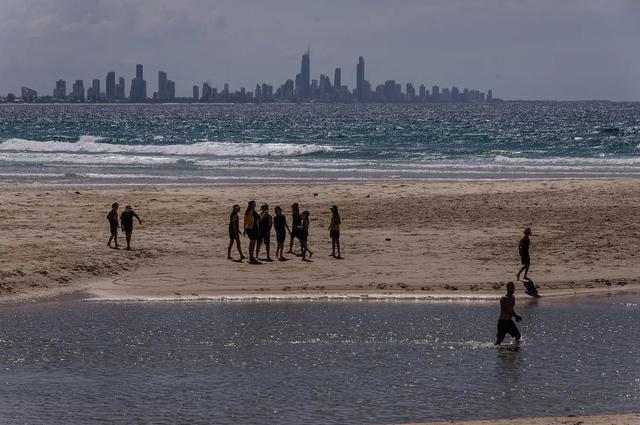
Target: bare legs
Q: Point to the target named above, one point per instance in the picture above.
(524, 269)
(237, 241)
(335, 245)
(305, 249)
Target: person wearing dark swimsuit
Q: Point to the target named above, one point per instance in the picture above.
(523, 250)
(126, 219)
(112, 217)
(265, 224)
(234, 232)
(280, 224)
(251, 230)
(296, 223)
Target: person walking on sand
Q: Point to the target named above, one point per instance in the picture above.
(234, 232)
(334, 233)
(280, 224)
(507, 313)
(523, 250)
(303, 235)
(265, 224)
(112, 217)
(126, 219)
(251, 218)
(296, 222)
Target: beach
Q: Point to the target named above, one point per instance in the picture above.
(400, 239)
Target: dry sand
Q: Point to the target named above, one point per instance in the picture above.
(632, 419)
(399, 239)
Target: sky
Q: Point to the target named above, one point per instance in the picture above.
(522, 49)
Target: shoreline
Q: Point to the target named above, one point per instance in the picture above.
(610, 419)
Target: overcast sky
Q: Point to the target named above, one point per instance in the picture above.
(523, 49)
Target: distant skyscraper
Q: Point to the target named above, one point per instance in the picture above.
(411, 93)
(196, 93)
(435, 93)
(171, 90)
(138, 90)
(206, 92)
(78, 91)
(163, 88)
(28, 95)
(111, 85)
(489, 95)
(120, 89)
(337, 79)
(95, 88)
(60, 91)
(423, 93)
(360, 94)
(305, 76)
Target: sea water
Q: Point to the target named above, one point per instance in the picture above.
(191, 143)
(78, 362)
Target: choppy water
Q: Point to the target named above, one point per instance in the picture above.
(205, 143)
(313, 362)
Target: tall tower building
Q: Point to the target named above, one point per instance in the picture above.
(95, 87)
(60, 91)
(111, 86)
(360, 94)
(138, 90)
(163, 88)
(196, 93)
(305, 76)
(337, 78)
(120, 91)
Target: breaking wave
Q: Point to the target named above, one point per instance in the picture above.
(96, 145)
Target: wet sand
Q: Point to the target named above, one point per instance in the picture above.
(413, 240)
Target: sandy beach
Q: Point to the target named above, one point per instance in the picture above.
(413, 240)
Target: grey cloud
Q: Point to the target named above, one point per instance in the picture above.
(540, 49)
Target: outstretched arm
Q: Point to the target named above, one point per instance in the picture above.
(136, 216)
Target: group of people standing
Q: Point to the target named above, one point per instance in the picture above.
(257, 227)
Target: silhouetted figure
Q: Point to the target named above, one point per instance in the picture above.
(303, 235)
(523, 250)
(112, 217)
(265, 224)
(251, 229)
(334, 232)
(126, 219)
(296, 222)
(507, 313)
(281, 227)
(234, 232)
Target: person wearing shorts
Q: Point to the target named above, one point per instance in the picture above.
(506, 324)
(264, 237)
(234, 232)
(112, 217)
(280, 225)
(334, 233)
(251, 228)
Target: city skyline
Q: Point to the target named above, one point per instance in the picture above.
(302, 88)
(524, 50)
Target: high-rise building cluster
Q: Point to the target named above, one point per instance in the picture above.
(301, 89)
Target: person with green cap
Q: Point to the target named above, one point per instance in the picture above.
(334, 232)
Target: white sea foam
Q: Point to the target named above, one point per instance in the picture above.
(94, 145)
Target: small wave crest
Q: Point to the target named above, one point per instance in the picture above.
(95, 145)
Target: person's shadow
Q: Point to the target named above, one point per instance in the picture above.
(530, 288)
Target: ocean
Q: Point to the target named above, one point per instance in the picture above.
(350, 362)
(221, 143)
